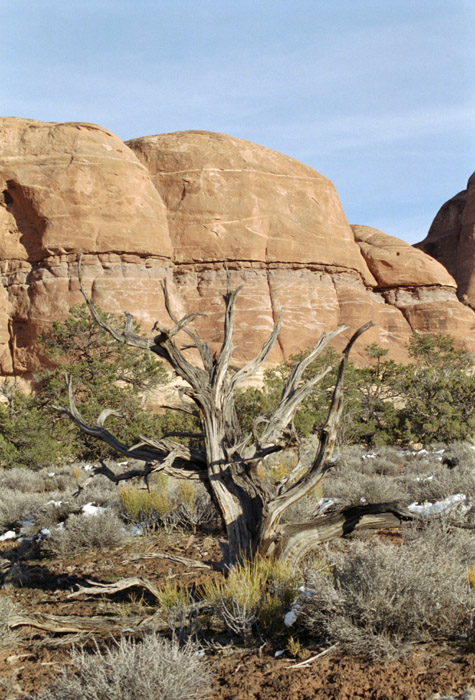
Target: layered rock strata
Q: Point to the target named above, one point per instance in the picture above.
(185, 207)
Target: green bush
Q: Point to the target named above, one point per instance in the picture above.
(104, 374)
(439, 392)
(28, 438)
(386, 403)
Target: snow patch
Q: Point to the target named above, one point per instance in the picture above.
(290, 618)
(91, 509)
(447, 505)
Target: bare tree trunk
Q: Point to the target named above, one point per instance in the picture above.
(230, 463)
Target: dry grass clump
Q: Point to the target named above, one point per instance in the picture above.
(169, 503)
(82, 533)
(8, 637)
(255, 594)
(377, 600)
(154, 669)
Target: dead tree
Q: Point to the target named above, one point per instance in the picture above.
(230, 463)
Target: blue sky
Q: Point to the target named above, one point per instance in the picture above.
(379, 96)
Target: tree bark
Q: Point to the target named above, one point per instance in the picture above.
(230, 463)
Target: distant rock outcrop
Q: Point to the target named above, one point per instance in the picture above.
(451, 240)
(184, 207)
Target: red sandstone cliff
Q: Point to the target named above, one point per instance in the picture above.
(182, 206)
(451, 240)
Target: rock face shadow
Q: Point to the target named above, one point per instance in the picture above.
(30, 225)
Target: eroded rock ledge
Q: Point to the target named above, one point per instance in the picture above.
(183, 207)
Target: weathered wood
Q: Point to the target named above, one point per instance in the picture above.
(185, 561)
(296, 541)
(306, 480)
(74, 624)
(230, 463)
(123, 584)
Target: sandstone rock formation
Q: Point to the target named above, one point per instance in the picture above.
(183, 207)
(451, 240)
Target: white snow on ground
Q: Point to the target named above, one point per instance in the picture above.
(138, 529)
(290, 618)
(91, 509)
(447, 505)
(326, 503)
(9, 535)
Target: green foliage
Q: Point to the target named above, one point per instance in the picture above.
(104, 374)
(439, 391)
(253, 403)
(432, 399)
(27, 436)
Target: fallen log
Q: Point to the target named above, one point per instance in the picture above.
(116, 587)
(74, 624)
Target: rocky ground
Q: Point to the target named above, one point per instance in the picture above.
(254, 673)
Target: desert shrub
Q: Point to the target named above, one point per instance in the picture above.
(440, 482)
(388, 461)
(355, 488)
(54, 481)
(53, 512)
(24, 480)
(305, 508)
(82, 533)
(378, 600)
(16, 507)
(101, 491)
(174, 600)
(135, 502)
(194, 507)
(255, 595)
(154, 669)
